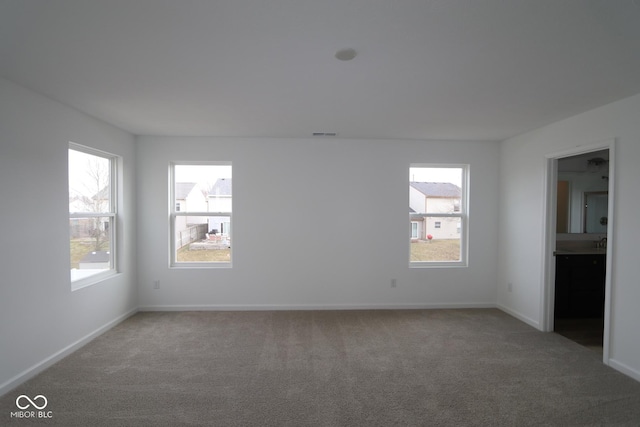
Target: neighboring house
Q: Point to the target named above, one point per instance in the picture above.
(220, 201)
(88, 227)
(77, 204)
(434, 198)
(79, 227)
(100, 201)
(189, 198)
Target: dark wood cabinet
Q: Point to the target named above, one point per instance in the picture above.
(580, 281)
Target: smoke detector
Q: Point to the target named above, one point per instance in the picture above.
(346, 54)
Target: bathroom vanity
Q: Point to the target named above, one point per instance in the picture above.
(580, 283)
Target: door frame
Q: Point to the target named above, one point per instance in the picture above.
(549, 226)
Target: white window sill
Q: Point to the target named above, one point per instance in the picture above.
(200, 265)
(81, 278)
(438, 265)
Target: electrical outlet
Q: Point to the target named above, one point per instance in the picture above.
(156, 284)
(509, 286)
(394, 283)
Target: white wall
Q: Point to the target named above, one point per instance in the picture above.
(39, 315)
(521, 217)
(335, 236)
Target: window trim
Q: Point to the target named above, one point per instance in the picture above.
(174, 214)
(112, 214)
(462, 214)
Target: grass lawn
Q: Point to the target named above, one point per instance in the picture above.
(436, 250)
(209, 255)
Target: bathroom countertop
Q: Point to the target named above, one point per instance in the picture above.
(580, 251)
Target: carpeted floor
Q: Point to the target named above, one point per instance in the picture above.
(330, 368)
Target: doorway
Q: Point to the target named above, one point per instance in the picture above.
(578, 257)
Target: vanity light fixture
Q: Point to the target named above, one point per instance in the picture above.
(597, 161)
(596, 164)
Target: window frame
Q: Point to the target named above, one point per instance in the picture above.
(175, 213)
(462, 214)
(111, 213)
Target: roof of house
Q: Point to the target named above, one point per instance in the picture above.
(183, 189)
(437, 189)
(96, 256)
(102, 194)
(222, 187)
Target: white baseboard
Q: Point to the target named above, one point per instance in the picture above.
(529, 321)
(627, 370)
(294, 307)
(41, 366)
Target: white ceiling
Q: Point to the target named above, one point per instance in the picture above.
(426, 69)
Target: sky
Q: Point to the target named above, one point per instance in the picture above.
(205, 175)
(423, 174)
(80, 182)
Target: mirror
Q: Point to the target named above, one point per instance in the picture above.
(583, 184)
(596, 208)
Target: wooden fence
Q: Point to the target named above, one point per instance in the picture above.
(191, 234)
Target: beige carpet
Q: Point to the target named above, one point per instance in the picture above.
(330, 368)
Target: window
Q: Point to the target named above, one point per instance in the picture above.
(438, 215)
(414, 230)
(201, 198)
(92, 215)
